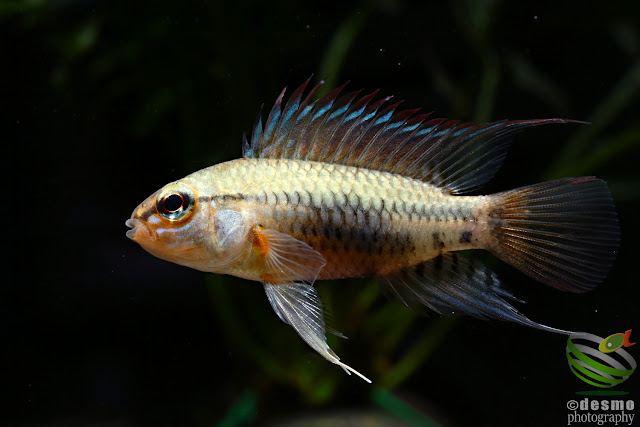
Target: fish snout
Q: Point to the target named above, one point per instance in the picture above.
(139, 221)
(139, 230)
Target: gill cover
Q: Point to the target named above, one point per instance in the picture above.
(227, 240)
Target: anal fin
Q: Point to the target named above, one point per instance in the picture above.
(454, 284)
(298, 305)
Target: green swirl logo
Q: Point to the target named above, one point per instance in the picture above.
(600, 362)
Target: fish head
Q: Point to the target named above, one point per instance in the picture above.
(179, 224)
(169, 225)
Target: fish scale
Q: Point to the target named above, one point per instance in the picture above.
(425, 222)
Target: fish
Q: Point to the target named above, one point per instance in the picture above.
(348, 185)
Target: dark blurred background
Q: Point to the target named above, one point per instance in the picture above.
(107, 101)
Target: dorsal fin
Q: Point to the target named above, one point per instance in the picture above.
(454, 156)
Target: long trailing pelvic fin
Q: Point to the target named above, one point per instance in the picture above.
(298, 305)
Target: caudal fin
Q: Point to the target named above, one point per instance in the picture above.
(564, 233)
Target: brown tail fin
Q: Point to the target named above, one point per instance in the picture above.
(563, 233)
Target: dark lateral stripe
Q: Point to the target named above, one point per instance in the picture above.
(295, 199)
(367, 233)
(223, 198)
(410, 211)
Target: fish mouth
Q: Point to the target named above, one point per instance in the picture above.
(139, 230)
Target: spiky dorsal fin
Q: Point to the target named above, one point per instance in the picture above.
(455, 156)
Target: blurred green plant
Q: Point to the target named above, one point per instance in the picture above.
(400, 408)
(243, 412)
(579, 153)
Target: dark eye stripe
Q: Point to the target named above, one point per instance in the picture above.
(147, 213)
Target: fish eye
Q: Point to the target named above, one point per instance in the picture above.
(175, 203)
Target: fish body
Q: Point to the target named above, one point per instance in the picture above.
(341, 187)
(363, 222)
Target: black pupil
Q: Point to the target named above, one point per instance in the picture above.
(173, 203)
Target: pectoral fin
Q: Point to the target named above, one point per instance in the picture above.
(298, 305)
(286, 259)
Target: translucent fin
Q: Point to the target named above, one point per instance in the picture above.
(564, 233)
(286, 258)
(457, 157)
(454, 284)
(298, 305)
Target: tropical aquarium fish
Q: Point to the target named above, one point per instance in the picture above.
(346, 186)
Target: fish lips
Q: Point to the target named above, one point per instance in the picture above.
(139, 230)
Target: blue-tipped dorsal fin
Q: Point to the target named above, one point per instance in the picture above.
(358, 131)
